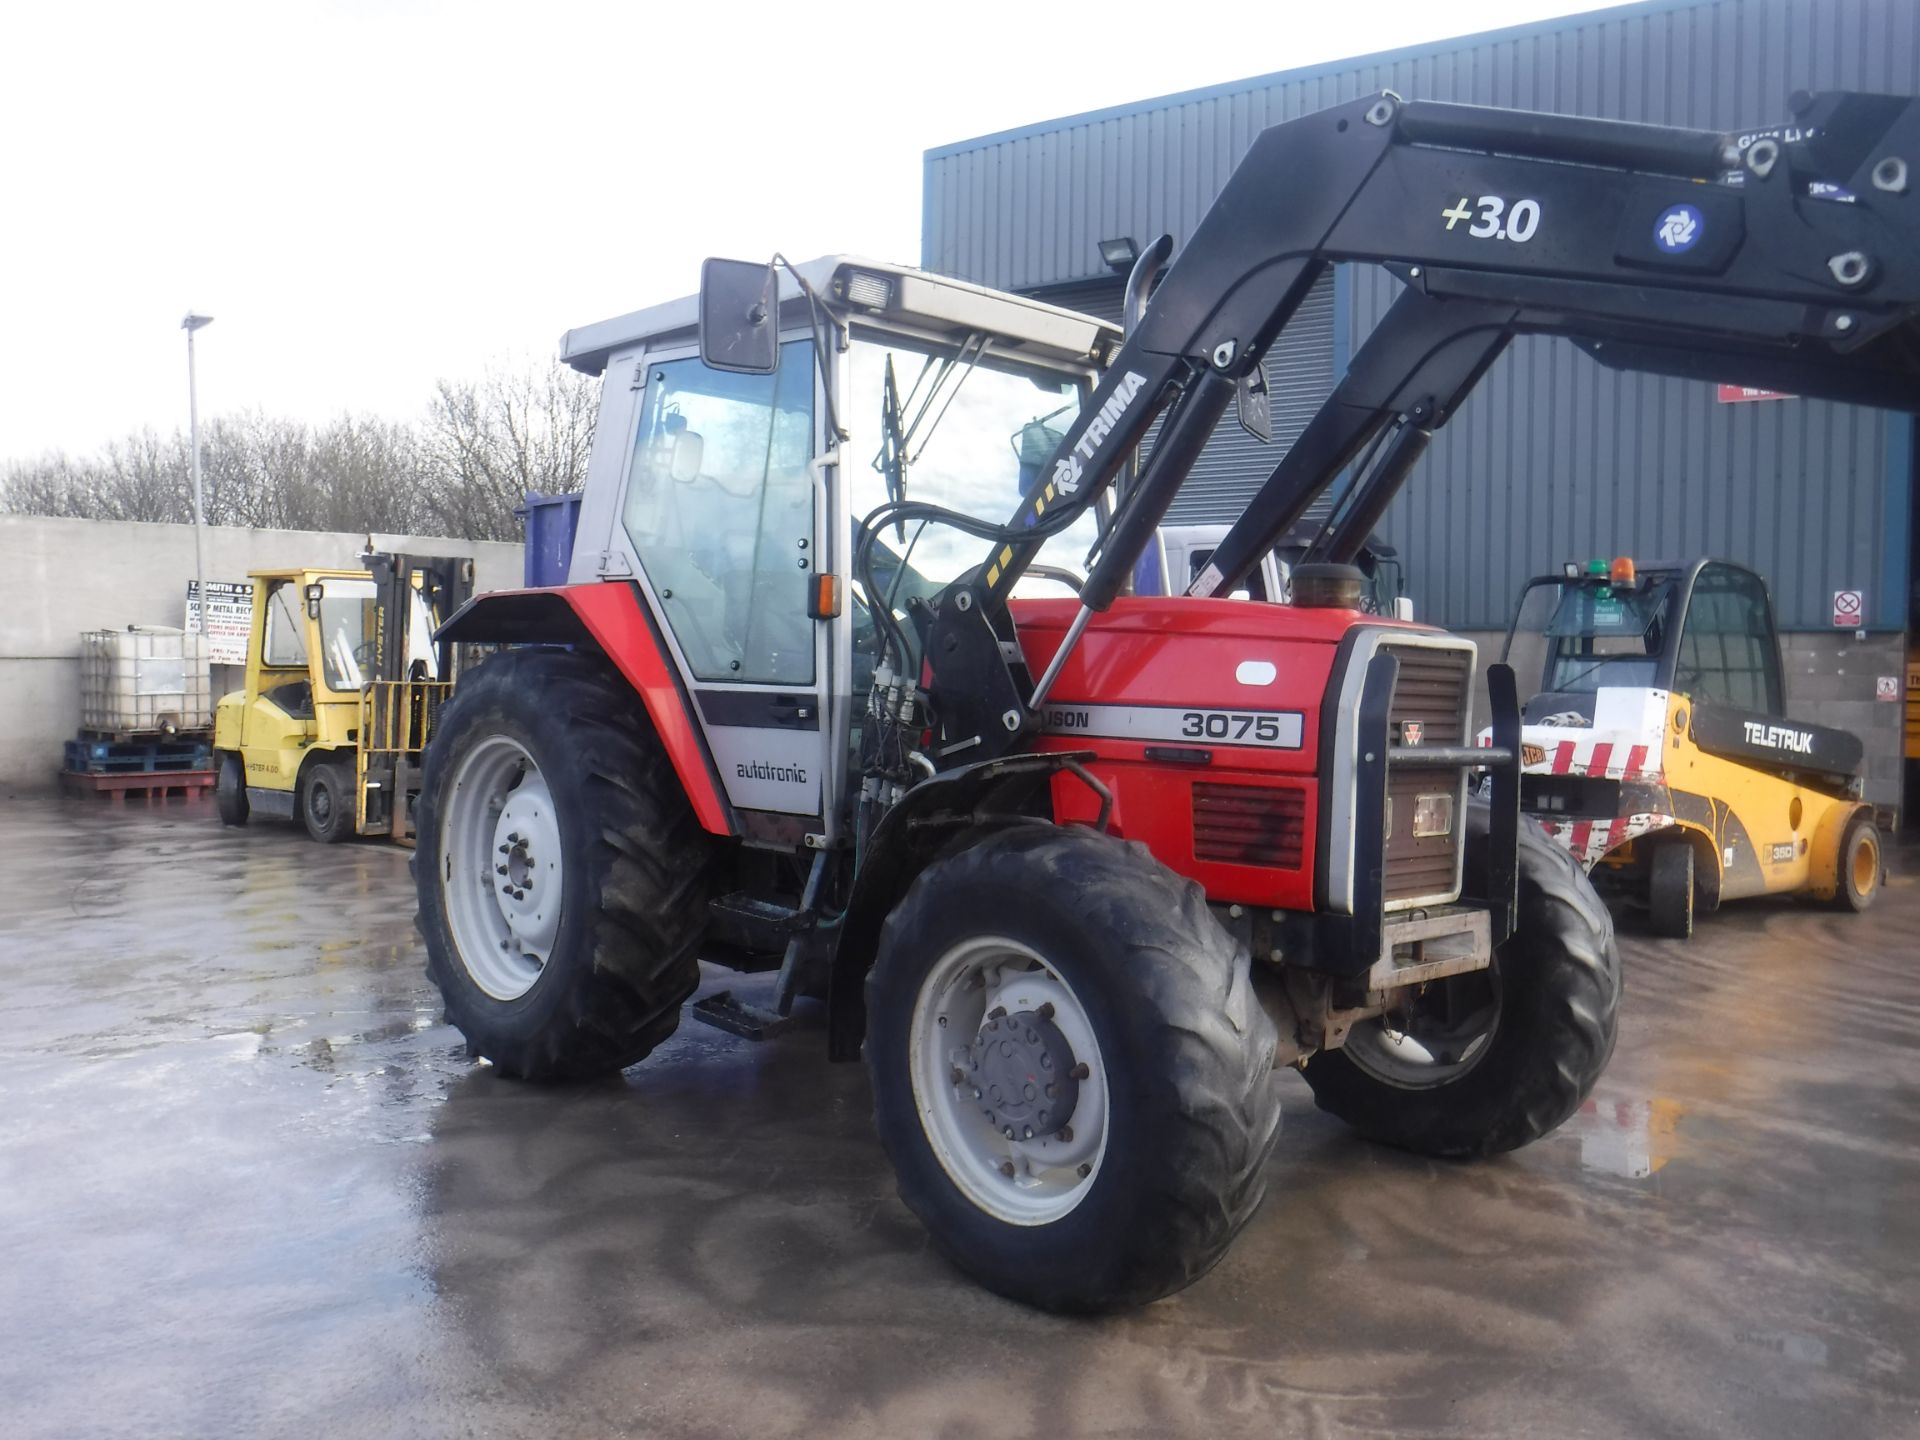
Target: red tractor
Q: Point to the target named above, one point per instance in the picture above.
(1077, 873)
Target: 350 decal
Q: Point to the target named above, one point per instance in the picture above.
(1494, 219)
(1231, 725)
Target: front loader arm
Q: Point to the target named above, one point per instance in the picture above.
(1569, 224)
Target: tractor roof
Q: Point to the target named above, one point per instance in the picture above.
(936, 305)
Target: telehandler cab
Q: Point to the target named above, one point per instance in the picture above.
(1077, 873)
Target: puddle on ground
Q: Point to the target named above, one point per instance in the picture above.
(1629, 1138)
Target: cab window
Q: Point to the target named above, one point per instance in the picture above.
(285, 645)
(1728, 654)
(720, 508)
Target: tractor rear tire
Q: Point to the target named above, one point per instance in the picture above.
(230, 788)
(1555, 1011)
(1671, 890)
(1862, 865)
(619, 850)
(326, 801)
(1119, 960)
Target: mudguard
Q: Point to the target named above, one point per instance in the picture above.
(610, 617)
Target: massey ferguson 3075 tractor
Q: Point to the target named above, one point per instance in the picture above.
(1075, 873)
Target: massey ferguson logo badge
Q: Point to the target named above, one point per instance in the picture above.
(1066, 475)
(1411, 731)
(1779, 737)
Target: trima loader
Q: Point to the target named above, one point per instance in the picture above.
(1076, 873)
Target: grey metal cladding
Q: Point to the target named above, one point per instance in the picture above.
(1555, 457)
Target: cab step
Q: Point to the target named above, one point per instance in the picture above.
(749, 1022)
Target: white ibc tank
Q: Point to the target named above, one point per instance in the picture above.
(144, 679)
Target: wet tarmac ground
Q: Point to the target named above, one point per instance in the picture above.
(251, 1185)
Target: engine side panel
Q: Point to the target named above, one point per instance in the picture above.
(1205, 717)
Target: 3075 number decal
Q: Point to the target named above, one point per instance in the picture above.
(1494, 219)
(1230, 725)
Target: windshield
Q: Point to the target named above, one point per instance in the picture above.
(962, 430)
(346, 632)
(1578, 635)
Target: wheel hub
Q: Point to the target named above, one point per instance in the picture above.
(1022, 1071)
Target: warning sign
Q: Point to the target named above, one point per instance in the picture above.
(1886, 687)
(229, 618)
(1739, 394)
(1849, 610)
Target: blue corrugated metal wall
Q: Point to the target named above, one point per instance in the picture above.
(1555, 456)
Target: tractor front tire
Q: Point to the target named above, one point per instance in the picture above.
(1862, 867)
(562, 877)
(1513, 1050)
(326, 801)
(1072, 1075)
(1671, 889)
(230, 788)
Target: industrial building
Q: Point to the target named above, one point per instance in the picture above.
(1554, 457)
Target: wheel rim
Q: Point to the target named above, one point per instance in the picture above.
(1866, 866)
(994, 1002)
(501, 867)
(1436, 1036)
(320, 803)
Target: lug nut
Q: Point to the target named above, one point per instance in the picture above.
(1006, 1167)
(999, 1012)
(1066, 1134)
(500, 869)
(1027, 1132)
(506, 849)
(1085, 1170)
(1008, 1132)
(976, 1092)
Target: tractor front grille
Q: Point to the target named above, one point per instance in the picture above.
(1250, 825)
(1432, 693)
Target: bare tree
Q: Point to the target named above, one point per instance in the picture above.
(511, 433)
(482, 446)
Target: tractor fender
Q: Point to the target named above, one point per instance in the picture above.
(940, 816)
(608, 616)
(1823, 850)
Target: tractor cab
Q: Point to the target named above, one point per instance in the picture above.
(1657, 746)
(343, 676)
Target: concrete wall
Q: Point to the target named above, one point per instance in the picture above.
(1831, 680)
(61, 577)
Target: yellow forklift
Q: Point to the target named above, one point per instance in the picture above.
(344, 679)
(1658, 749)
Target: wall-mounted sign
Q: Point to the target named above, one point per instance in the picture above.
(1886, 687)
(1740, 394)
(229, 618)
(1849, 610)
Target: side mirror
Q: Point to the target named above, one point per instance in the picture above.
(739, 317)
(1403, 608)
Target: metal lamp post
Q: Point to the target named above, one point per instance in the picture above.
(191, 323)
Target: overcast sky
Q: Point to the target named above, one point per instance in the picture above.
(367, 196)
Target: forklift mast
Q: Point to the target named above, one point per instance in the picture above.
(1786, 265)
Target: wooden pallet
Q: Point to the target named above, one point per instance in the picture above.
(149, 785)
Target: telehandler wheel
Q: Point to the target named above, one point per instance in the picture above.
(562, 876)
(230, 788)
(1671, 889)
(1071, 1073)
(1488, 1061)
(326, 801)
(1861, 865)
